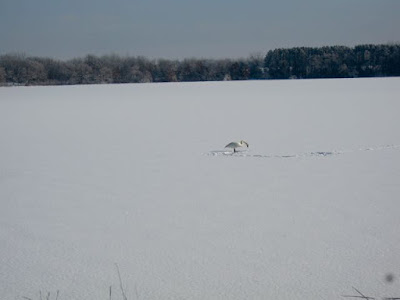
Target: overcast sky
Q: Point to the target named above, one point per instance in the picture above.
(191, 28)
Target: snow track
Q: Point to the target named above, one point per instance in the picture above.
(248, 153)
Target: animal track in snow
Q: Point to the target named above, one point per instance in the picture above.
(247, 153)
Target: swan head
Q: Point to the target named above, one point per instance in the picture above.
(244, 143)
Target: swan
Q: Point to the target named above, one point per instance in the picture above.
(235, 145)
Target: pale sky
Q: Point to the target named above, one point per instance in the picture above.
(180, 29)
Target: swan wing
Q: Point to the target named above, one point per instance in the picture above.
(233, 145)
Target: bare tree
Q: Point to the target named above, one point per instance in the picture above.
(2, 76)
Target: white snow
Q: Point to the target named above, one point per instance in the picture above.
(138, 175)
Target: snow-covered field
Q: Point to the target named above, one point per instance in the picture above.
(137, 175)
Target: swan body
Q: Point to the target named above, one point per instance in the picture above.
(235, 145)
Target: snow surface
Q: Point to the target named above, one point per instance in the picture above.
(137, 175)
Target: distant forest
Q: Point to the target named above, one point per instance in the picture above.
(292, 63)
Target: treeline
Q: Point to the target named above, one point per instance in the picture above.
(301, 62)
(334, 62)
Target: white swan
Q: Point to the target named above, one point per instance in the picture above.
(235, 145)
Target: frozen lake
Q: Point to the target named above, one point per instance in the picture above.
(137, 175)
